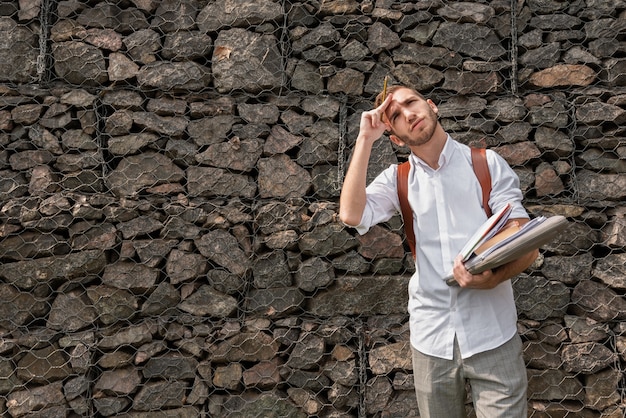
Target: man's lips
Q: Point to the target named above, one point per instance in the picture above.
(416, 123)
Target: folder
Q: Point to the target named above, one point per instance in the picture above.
(486, 231)
(508, 245)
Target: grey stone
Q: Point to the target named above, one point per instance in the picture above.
(237, 13)
(252, 68)
(207, 301)
(22, 402)
(280, 177)
(17, 308)
(162, 299)
(187, 45)
(587, 357)
(540, 299)
(313, 274)
(174, 15)
(131, 143)
(182, 266)
(79, 63)
(223, 248)
(31, 245)
(170, 367)
(274, 301)
(327, 240)
(307, 352)
(27, 274)
(271, 270)
(112, 304)
(598, 301)
(160, 394)
(18, 55)
(467, 38)
(174, 76)
(244, 346)
(239, 155)
(135, 173)
(599, 186)
(390, 357)
(354, 295)
(71, 311)
(381, 38)
(554, 384)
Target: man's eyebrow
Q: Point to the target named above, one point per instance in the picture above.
(393, 106)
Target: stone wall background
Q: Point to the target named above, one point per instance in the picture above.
(169, 179)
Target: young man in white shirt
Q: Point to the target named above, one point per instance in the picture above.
(457, 333)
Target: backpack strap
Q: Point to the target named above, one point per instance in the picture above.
(405, 208)
(481, 170)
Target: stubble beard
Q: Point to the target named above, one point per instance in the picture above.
(428, 126)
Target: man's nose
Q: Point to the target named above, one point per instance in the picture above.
(408, 114)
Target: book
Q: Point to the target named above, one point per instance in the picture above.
(486, 231)
(511, 242)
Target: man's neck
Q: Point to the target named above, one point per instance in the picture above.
(431, 151)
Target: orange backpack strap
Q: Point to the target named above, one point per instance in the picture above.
(481, 169)
(405, 208)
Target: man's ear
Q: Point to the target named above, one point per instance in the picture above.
(396, 140)
(433, 106)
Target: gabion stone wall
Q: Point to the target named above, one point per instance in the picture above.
(169, 182)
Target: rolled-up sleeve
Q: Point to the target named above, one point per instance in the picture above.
(382, 200)
(505, 187)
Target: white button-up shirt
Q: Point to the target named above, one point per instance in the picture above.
(447, 210)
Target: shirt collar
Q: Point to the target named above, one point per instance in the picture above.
(444, 157)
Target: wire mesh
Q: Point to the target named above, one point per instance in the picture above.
(169, 183)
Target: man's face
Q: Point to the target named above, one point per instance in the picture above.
(412, 118)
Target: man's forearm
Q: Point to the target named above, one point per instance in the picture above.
(352, 199)
(491, 278)
(515, 267)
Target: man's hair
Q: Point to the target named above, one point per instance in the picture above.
(391, 89)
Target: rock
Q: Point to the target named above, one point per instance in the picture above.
(159, 395)
(279, 176)
(354, 295)
(175, 76)
(391, 357)
(146, 170)
(240, 155)
(237, 13)
(22, 402)
(586, 357)
(17, 308)
(207, 301)
(467, 38)
(245, 60)
(564, 75)
(539, 299)
(79, 63)
(75, 302)
(598, 301)
(18, 54)
(554, 384)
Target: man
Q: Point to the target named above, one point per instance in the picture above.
(458, 334)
